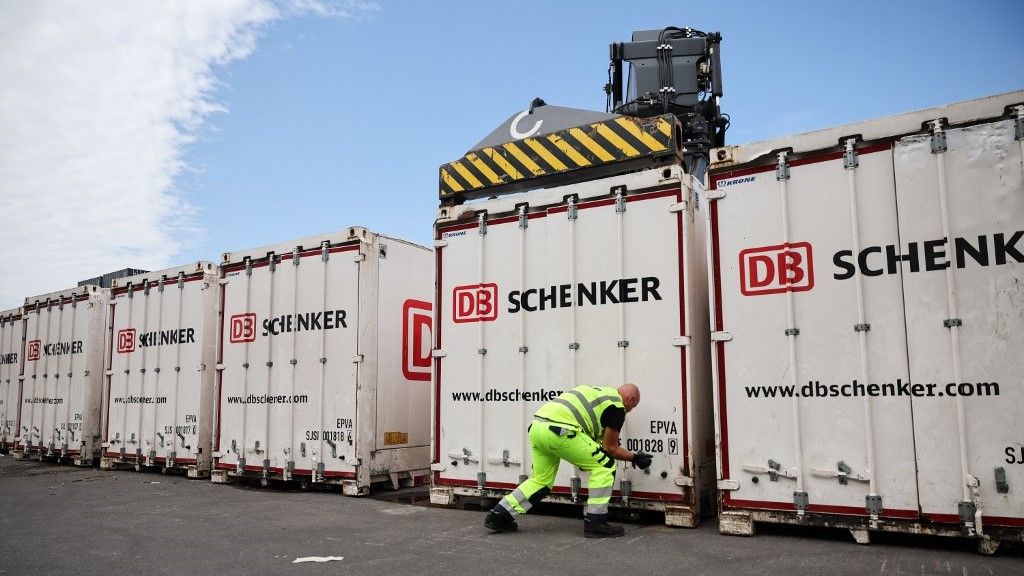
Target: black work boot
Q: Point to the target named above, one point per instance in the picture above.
(499, 520)
(597, 526)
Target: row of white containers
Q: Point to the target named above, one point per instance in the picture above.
(866, 288)
(307, 360)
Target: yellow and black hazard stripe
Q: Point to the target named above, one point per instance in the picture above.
(620, 139)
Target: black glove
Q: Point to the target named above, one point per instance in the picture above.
(642, 460)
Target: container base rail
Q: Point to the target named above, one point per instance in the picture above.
(53, 455)
(744, 523)
(156, 464)
(304, 479)
(675, 514)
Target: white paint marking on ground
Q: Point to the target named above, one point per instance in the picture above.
(317, 559)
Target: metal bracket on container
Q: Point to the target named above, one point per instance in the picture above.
(938, 137)
(681, 341)
(438, 467)
(728, 484)
(571, 210)
(801, 501)
(850, 156)
(505, 460)
(438, 353)
(524, 349)
(721, 336)
(481, 351)
(440, 243)
(782, 168)
(623, 343)
(325, 255)
(295, 256)
(574, 345)
(481, 480)
(523, 478)
(466, 456)
(773, 470)
(626, 490)
(792, 331)
(844, 472)
(967, 511)
(248, 266)
(677, 207)
(1001, 486)
(357, 358)
(481, 224)
(319, 475)
(873, 504)
(574, 488)
(620, 199)
(952, 322)
(865, 327)
(524, 220)
(271, 262)
(1019, 130)
(714, 194)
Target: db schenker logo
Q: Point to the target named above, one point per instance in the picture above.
(475, 303)
(776, 269)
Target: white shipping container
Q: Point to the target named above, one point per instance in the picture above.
(161, 369)
(12, 360)
(868, 297)
(325, 361)
(63, 376)
(600, 283)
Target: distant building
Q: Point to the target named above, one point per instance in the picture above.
(105, 280)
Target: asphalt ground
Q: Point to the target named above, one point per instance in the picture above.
(66, 520)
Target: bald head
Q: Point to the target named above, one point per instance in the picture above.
(630, 396)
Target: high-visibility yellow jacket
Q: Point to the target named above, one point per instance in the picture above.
(581, 409)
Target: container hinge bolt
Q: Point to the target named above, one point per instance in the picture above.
(623, 343)
(524, 220)
(800, 500)
(1001, 486)
(571, 211)
(865, 327)
(792, 331)
(574, 345)
(481, 224)
(481, 351)
(938, 137)
(293, 361)
(524, 349)
(952, 322)
(270, 364)
(850, 159)
(481, 480)
(967, 511)
(782, 168)
(620, 199)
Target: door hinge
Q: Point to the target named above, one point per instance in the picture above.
(714, 194)
(439, 353)
(721, 336)
(678, 207)
(680, 341)
(440, 243)
(782, 168)
(938, 137)
(728, 484)
(357, 358)
(438, 467)
(850, 157)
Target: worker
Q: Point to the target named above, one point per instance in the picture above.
(580, 426)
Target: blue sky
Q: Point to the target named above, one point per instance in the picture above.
(259, 121)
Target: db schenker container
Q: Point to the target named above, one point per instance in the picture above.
(12, 359)
(868, 300)
(325, 361)
(601, 282)
(63, 375)
(161, 369)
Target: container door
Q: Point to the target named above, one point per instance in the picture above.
(57, 349)
(566, 295)
(11, 348)
(156, 363)
(810, 385)
(288, 388)
(961, 206)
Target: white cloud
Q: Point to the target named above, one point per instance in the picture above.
(97, 103)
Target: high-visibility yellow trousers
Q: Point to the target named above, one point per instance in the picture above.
(548, 449)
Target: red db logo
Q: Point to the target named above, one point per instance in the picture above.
(775, 269)
(475, 303)
(416, 325)
(243, 328)
(33, 350)
(126, 340)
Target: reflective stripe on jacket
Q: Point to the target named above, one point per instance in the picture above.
(582, 408)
